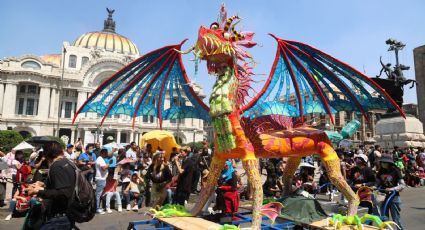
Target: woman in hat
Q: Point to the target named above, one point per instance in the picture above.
(389, 179)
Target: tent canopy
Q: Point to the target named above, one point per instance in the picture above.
(160, 138)
(23, 145)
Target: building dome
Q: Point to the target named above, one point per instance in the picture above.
(107, 39)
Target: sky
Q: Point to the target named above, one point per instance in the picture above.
(352, 31)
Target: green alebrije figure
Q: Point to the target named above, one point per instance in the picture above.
(229, 227)
(338, 220)
(221, 105)
(171, 210)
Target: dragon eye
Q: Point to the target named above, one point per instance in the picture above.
(226, 35)
(214, 26)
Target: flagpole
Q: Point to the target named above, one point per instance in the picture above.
(60, 87)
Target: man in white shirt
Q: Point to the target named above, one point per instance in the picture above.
(69, 151)
(101, 174)
(131, 152)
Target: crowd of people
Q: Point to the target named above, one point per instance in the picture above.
(388, 171)
(132, 177)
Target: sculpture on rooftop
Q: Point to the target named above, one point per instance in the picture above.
(395, 82)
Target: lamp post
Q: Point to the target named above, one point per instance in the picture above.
(193, 140)
(60, 86)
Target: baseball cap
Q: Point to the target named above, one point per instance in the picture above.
(69, 146)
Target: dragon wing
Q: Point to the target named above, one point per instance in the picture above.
(320, 83)
(142, 87)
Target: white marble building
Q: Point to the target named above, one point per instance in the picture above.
(29, 91)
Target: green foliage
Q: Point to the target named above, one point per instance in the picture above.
(195, 145)
(9, 139)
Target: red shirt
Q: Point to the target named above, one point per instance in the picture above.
(111, 186)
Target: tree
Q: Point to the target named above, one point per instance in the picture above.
(9, 139)
(195, 145)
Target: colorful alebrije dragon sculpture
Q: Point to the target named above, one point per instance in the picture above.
(269, 126)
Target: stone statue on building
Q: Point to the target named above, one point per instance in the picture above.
(395, 82)
(109, 23)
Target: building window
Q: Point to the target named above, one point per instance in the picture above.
(22, 88)
(337, 119)
(21, 106)
(27, 99)
(32, 89)
(68, 103)
(72, 61)
(30, 106)
(68, 109)
(84, 61)
(31, 65)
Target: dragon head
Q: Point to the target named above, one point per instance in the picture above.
(220, 43)
(216, 44)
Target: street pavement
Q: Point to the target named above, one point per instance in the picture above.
(413, 215)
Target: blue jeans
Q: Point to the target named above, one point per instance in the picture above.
(130, 196)
(395, 208)
(100, 185)
(12, 206)
(108, 198)
(169, 196)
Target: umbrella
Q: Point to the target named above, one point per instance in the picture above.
(160, 138)
(23, 145)
(41, 140)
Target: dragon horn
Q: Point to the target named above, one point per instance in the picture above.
(237, 36)
(187, 51)
(229, 22)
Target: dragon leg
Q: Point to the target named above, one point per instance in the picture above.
(252, 170)
(333, 167)
(215, 170)
(288, 174)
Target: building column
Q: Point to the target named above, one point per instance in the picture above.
(131, 136)
(43, 103)
(54, 103)
(118, 136)
(82, 96)
(1, 97)
(72, 141)
(10, 103)
(372, 123)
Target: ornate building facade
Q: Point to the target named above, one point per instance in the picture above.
(30, 98)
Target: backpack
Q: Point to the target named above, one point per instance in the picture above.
(82, 206)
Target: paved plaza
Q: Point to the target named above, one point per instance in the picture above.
(413, 213)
